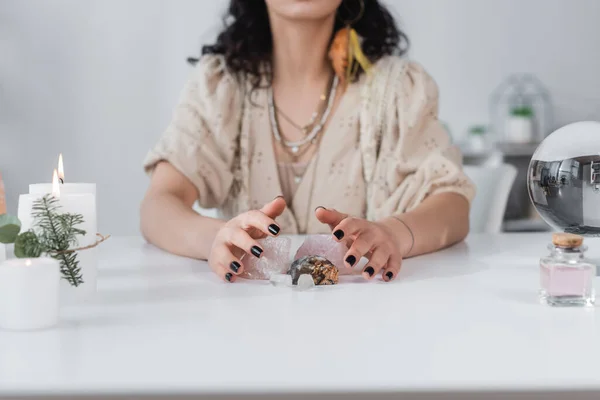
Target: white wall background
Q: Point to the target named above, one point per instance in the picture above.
(97, 79)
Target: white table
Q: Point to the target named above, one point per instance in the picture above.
(462, 321)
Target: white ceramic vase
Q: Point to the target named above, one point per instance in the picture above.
(29, 293)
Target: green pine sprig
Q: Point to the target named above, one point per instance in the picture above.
(53, 233)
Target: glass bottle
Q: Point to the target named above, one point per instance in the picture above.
(566, 277)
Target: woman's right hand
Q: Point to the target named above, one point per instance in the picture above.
(239, 235)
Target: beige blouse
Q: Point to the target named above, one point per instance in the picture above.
(382, 153)
(290, 177)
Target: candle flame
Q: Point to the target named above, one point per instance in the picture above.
(28, 263)
(55, 185)
(61, 168)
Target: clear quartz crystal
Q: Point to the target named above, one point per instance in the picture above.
(306, 282)
(567, 278)
(281, 280)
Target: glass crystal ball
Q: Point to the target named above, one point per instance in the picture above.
(564, 179)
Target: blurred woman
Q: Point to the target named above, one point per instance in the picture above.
(304, 118)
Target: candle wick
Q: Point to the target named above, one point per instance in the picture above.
(61, 180)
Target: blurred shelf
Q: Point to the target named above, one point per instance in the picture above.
(476, 154)
(526, 225)
(517, 150)
(505, 149)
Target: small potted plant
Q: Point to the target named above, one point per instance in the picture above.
(520, 125)
(477, 139)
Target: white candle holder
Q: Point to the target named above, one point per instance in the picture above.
(29, 293)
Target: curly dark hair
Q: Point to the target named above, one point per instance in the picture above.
(247, 45)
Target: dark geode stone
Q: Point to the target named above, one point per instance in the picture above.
(321, 269)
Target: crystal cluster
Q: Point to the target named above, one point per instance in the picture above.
(316, 262)
(326, 247)
(323, 272)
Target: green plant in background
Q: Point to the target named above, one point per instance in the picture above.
(522, 112)
(478, 130)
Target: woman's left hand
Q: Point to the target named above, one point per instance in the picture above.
(382, 243)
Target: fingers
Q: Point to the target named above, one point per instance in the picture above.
(377, 261)
(224, 261)
(239, 238)
(343, 227)
(259, 220)
(228, 266)
(275, 208)
(349, 228)
(361, 246)
(390, 271)
(330, 217)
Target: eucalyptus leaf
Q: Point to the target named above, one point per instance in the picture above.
(28, 245)
(10, 226)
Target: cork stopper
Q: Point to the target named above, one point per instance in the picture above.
(567, 240)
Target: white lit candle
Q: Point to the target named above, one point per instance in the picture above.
(29, 293)
(61, 169)
(73, 203)
(45, 188)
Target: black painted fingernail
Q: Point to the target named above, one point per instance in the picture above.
(274, 229)
(228, 276)
(320, 207)
(256, 251)
(235, 266)
(370, 271)
(390, 275)
(351, 260)
(339, 234)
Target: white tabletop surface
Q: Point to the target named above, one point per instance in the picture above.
(462, 320)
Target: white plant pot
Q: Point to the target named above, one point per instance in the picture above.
(477, 143)
(2, 252)
(519, 130)
(29, 293)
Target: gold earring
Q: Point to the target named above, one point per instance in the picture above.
(346, 53)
